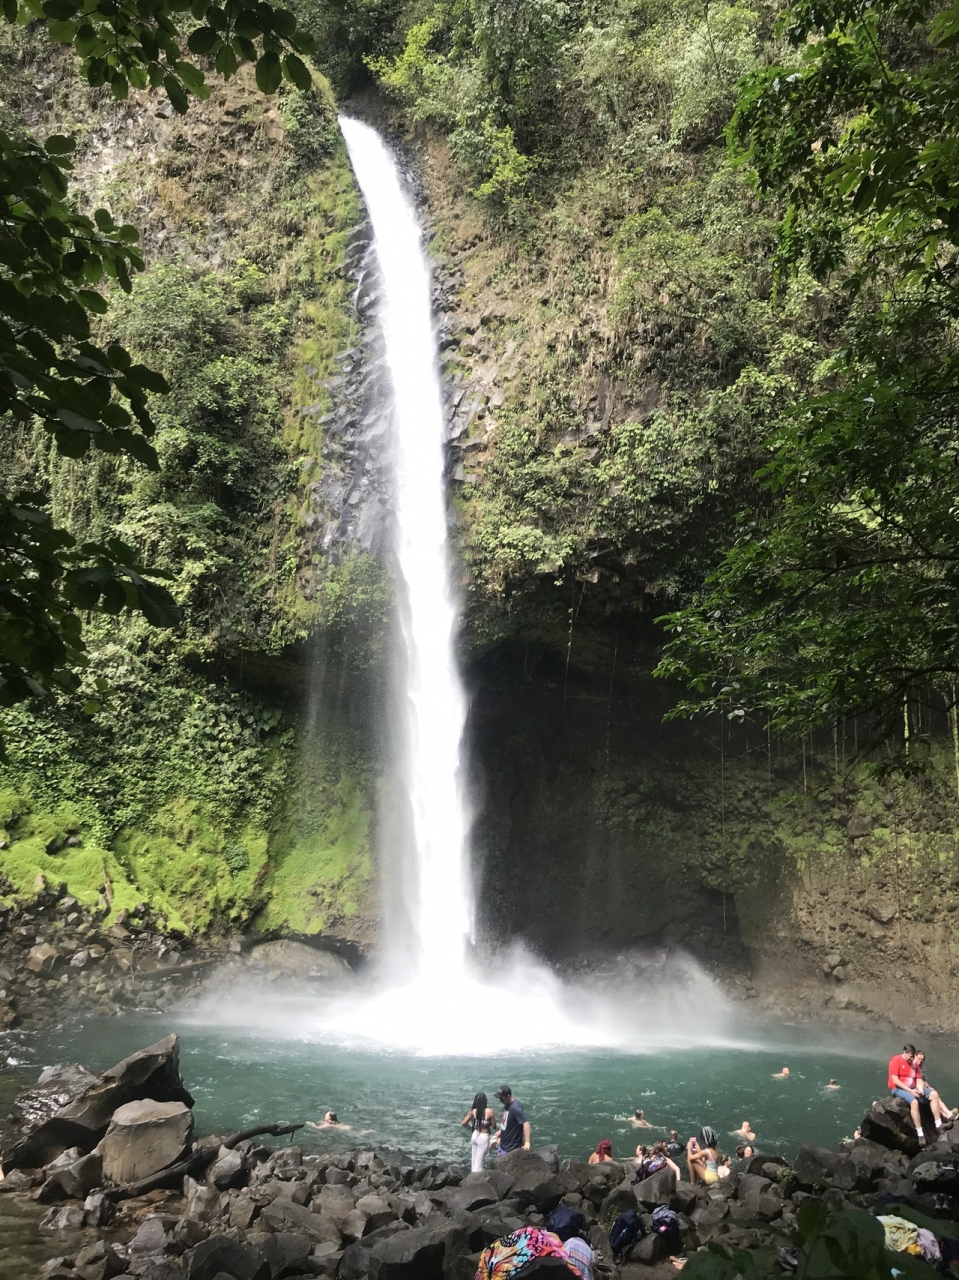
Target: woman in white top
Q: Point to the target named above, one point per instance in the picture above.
(481, 1119)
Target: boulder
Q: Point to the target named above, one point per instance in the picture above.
(69, 1218)
(519, 1162)
(540, 1189)
(496, 1178)
(813, 1165)
(299, 960)
(421, 1253)
(284, 1215)
(287, 1252)
(98, 1210)
(686, 1197)
(222, 1256)
(471, 1195)
(73, 1180)
(42, 958)
(151, 1238)
(100, 1261)
(620, 1199)
(889, 1123)
(491, 1223)
(143, 1138)
(656, 1189)
(70, 1106)
(377, 1212)
(229, 1170)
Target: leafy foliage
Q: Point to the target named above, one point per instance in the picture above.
(845, 598)
(52, 260)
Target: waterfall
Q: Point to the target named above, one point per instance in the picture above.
(433, 703)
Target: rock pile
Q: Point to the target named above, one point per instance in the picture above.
(58, 956)
(169, 1207)
(56, 953)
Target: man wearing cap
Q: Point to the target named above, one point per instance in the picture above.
(514, 1127)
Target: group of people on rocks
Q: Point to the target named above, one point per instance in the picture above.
(907, 1080)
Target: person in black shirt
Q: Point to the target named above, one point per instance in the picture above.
(514, 1127)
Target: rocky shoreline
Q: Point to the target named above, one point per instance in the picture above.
(59, 956)
(132, 1192)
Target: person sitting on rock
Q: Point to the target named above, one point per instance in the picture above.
(744, 1151)
(702, 1157)
(725, 1167)
(946, 1114)
(912, 1089)
(674, 1148)
(744, 1132)
(650, 1162)
(330, 1121)
(638, 1120)
(603, 1153)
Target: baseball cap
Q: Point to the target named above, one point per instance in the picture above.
(504, 1092)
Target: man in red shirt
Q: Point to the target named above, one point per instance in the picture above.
(903, 1084)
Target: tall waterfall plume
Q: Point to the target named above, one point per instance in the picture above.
(433, 703)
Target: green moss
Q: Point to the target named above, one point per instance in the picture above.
(320, 864)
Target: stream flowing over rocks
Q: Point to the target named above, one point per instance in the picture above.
(132, 1191)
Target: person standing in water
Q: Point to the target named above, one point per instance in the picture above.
(514, 1130)
(481, 1119)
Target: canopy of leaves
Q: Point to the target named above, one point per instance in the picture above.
(845, 598)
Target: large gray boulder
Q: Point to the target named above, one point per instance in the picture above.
(889, 1123)
(422, 1253)
(143, 1138)
(222, 1256)
(540, 1190)
(299, 960)
(72, 1107)
(657, 1189)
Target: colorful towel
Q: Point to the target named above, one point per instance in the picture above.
(509, 1257)
(902, 1236)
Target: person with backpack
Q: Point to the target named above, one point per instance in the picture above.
(481, 1119)
(650, 1162)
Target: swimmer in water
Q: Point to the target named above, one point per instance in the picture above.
(330, 1121)
(744, 1132)
(638, 1120)
(781, 1075)
(833, 1084)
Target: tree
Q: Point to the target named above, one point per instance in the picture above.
(53, 264)
(846, 598)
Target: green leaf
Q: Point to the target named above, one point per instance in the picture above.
(176, 95)
(298, 72)
(269, 73)
(202, 40)
(119, 87)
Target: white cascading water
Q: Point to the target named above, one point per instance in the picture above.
(433, 703)
(444, 1007)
